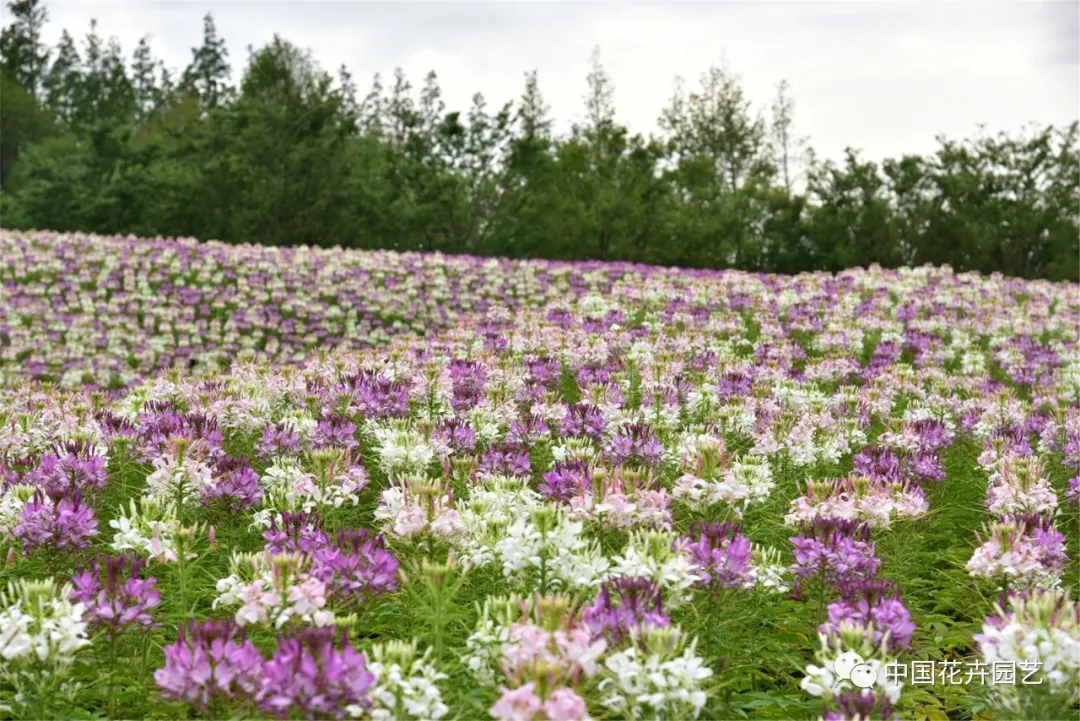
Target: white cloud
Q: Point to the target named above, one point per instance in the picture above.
(885, 77)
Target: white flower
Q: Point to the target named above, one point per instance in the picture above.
(178, 478)
(40, 629)
(651, 554)
(1041, 631)
(12, 502)
(768, 571)
(642, 684)
(402, 450)
(150, 529)
(273, 590)
(405, 685)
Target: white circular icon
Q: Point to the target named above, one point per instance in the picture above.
(845, 662)
(863, 675)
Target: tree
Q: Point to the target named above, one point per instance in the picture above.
(63, 82)
(283, 152)
(23, 123)
(788, 150)
(92, 143)
(208, 73)
(719, 168)
(852, 224)
(149, 82)
(717, 125)
(1008, 204)
(23, 55)
(522, 224)
(476, 151)
(605, 182)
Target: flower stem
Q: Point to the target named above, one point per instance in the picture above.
(111, 703)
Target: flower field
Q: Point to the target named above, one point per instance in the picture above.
(242, 481)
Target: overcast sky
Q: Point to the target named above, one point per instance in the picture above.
(885, 77)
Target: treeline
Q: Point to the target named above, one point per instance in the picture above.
(94, 140)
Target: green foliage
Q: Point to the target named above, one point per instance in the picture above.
(90, 141)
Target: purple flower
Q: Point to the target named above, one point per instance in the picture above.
(1041, 528)
(278, 441)
(495, 343)
(879, 463)
(1073, 494)
(639, 604)
(719, 554)
(1046, 535)
(526, 431)
(543, 372)
(310, 677)
(376, 396)
(635, 442)
(734, 384)
(336, 431)
(210, 661)
(114, 425)
(1012, 440)
(838, 551)
(583, 420)
(236, 488)
(565, 480)
(1071, 451)
(861, 705)
(468, 378)
(933, 434)
(159, 424)
(876, 607)
(507, 460)
(299, 532)
(75, 470)
(561, 317)
(927, 466)
(457, 434)
(63, 524)
(357, 566)
(119, 599)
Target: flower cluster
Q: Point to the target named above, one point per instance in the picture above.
(659, 674)
(274, 590)
(614, 433)
(316, 673)
(60, 524)
(209, 662)
(710, 477)
(1038, 630)
(152, 528)
(873, 610)
(115, 598)
(41, 628)
(624, 607)
(836, 551)
(859, 498)
(405, 684)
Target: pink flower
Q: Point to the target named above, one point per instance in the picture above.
(577, 647)
(410, 520)
(520, 704)
(448, 524)
(528, 644)
(309, 596)
(565, 705)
